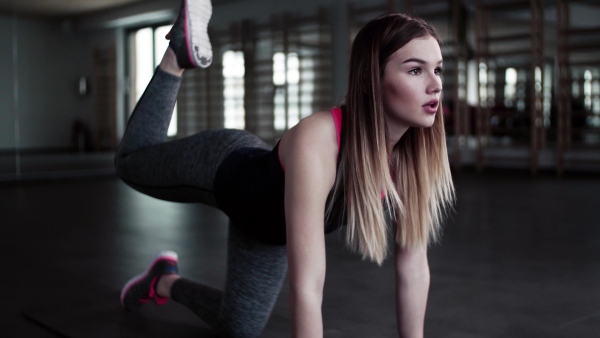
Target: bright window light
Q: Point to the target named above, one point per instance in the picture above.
(160, 46)
(510, 88)
(587, 90)
(150, 45)
(293, 68)
(294, 86)
(143, 61)
(233, 91)
(278, 69)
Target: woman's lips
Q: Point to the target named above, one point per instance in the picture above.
(431, 107)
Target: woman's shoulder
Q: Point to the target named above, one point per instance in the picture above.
(322, 121)
(318, 127)
(315, 133)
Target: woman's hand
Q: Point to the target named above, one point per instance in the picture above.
(309, 153)
(412, 287)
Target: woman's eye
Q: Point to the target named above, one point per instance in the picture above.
(439, 70)
(415, 71)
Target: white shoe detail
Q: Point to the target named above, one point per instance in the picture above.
(199, 13)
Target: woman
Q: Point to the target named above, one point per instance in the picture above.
(382, 154)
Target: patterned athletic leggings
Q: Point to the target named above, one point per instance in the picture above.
(183, 170)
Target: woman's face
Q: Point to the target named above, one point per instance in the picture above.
(412, 85)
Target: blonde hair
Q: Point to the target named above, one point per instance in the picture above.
(418, 188)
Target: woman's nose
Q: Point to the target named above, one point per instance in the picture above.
(435, 86)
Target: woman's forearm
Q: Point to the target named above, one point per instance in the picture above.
(307, 320)
(412, 288)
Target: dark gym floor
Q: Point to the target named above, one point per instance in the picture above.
(519, 258)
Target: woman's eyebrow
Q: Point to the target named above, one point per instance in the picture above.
(419, 61)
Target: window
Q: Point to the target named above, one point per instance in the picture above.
(233, 89)
(483, 82)
(587, 90)
(591, 90)
(510, 87)
(147, 46)
(293, 81)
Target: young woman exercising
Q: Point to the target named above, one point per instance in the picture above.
(380, 155)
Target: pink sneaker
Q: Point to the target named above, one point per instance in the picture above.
(142, 288)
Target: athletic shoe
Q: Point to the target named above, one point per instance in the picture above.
(189, 37)
(142, 288)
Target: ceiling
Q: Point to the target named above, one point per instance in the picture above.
(69, 8)
(59, 8)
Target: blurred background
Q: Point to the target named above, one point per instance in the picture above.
(521, 78)
(520, 254)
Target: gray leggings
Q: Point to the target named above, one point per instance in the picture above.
(183, 170)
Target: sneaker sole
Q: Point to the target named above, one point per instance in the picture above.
(164, 255)
(196, 32)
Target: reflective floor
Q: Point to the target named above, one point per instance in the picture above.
(519, 258)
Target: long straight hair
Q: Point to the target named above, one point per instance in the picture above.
(414, 175)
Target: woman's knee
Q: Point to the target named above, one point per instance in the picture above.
(120, 163)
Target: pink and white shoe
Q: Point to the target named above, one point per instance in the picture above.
(142, 288)
(189, 36)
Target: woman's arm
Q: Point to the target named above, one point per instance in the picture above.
(309, 161)
(412, 287)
